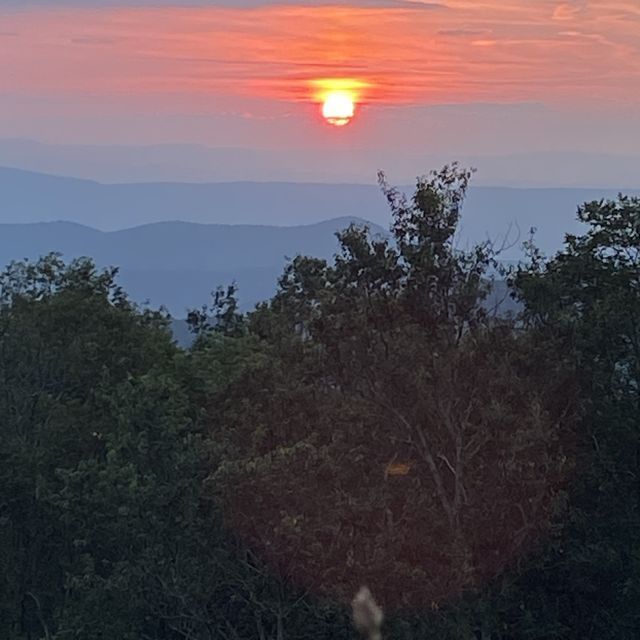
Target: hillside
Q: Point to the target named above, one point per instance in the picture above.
(178, 264)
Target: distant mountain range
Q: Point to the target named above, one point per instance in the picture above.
(243, 232)
(490, 212)
(200, 163)
(178, 264)
(36, 197)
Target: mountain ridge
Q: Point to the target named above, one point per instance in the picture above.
(203, 163)
(178, 264)
(175, 243)
(489, 212)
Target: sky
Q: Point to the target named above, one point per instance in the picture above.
(467, 77)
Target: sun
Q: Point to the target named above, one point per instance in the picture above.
(338, 108)
(340, 98)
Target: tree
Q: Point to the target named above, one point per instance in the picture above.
(589, 295)
(396, 435)
(106, 527)
(63, 333)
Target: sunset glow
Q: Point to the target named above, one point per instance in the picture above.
(509, 51)
(261, 68)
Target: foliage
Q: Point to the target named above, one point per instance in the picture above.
(589, 294)
(101, 458)
(372, 423)
(398, 435)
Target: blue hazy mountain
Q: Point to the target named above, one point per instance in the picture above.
(35, 197)
(490, 212)
(178, 264)
(239, 232)
(201, 163)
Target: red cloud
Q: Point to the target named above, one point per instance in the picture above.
(402, 55)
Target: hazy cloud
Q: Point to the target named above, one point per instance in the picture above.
(463, 33)
(486, 50)
(569, 10)
(244, 73)
(231, 4)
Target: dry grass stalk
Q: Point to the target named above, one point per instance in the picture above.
(367, 615)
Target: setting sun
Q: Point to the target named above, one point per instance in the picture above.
(338, 108)
(339, 98)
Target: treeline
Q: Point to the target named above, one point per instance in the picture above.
(376, 422)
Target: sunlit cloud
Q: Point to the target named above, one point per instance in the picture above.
(399, 53)
(567, 11)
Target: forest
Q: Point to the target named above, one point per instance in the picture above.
(375, 423)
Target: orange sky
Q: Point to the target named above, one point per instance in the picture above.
(438, 81)
(461, 51)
